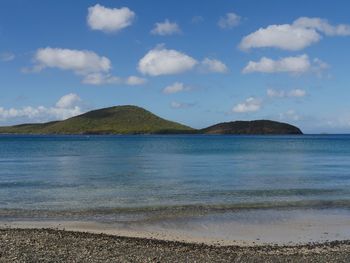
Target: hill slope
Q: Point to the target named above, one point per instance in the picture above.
(252, 127)
(113, 120)
(136, 120)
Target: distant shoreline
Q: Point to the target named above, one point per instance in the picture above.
(170, 135)
(174, 134)
(129, 119)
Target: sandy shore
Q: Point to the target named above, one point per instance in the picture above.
(49, 245)
(245, 228)
(276, 236)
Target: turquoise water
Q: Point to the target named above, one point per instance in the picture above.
(79, 175)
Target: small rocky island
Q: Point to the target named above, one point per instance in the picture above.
(263, 127)
(136, 120)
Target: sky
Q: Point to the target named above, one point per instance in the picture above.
(195, 62)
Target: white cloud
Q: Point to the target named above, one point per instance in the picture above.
(109, 19)
(273, 93)
(302, 33)
(284, 36)
(68, 101)
(94, 69)
(66, 107)
(166, 28)
(175, 88)
(251, 104)
(7, 56)
(322, 25)
(162, 61)
(79, 61)
(134, 80)
(230, 20)
(181, 105)
(295, 65)
(107, 79)
(214, 65)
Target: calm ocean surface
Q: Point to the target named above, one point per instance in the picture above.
(173, 173)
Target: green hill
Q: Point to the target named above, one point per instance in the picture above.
(113, 120)
(136, 120)
(252, 127)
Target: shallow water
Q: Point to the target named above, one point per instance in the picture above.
(151, 178)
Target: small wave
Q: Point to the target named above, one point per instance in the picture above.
(29, 184)
(152, 212)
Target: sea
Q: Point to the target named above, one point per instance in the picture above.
(193, 183)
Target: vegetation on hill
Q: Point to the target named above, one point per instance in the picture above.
(136, 120)
(252, 127)
(113, 120)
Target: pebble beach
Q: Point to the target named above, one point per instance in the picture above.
(51, 245)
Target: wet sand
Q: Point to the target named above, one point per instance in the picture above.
(241, 236)
(243, 228)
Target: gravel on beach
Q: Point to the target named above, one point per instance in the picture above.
(49, 245)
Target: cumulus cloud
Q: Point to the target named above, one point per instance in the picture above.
(94, 69)
(214, 65)
(109, 19)
(175, 88)
(162, 61)
(302, 33)
(230, 20)
(323, 26)
(251, 104)
(68, 101)
(79, 61)
(66, 107)
(285, 36)
(180, 105)
(7, 56)
(273, 93)
(166, 28)
(295, 65)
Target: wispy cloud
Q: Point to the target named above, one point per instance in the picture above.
(7, 56)
(294, 93)
(181, 105)
(166, 28)
(230, 20)
(175, 88)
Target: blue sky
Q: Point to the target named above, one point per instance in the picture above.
(196, 62)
